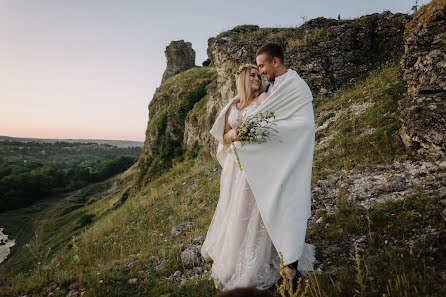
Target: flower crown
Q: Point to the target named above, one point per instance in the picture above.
(243, 67)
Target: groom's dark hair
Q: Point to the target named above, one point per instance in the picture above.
(272, 50)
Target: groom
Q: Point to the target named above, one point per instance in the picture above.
(270, 60)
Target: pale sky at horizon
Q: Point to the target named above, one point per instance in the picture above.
(88, 69)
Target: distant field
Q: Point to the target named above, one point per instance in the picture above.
(118, 143)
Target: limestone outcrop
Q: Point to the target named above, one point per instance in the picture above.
(327, 53)
(424, 65)
(180, 57)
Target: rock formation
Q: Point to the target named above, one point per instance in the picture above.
(327, 53)
(180, 57)
(424, 64)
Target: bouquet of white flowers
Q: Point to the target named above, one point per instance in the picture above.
(255, 129)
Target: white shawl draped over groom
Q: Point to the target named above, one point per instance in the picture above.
(283, 192)
(279, 170)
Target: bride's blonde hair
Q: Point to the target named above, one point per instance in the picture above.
(243, 84)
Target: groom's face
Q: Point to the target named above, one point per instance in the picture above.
(266, 66)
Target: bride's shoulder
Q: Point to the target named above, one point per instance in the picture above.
(262, 98)
(231, 107)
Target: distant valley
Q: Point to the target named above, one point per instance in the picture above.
(118, 143)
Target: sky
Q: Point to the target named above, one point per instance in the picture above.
(89, 68)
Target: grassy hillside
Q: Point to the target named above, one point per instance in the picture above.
(168, 110)
(363, 249)
(51, 223)
(358, 127)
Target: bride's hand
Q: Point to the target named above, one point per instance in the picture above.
(231, 135)
(236, 138)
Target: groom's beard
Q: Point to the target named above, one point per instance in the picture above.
(271, 80)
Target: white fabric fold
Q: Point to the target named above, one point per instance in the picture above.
(279, 171)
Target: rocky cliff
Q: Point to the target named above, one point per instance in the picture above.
(424, 66)
(178, 96)
(373, 196)
(329, 54)
(367, 184)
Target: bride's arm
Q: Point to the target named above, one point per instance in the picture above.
(229, 134)
(262, 97)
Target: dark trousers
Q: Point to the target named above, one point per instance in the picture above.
(293, 265)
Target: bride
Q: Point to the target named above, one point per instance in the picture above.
(237, 241)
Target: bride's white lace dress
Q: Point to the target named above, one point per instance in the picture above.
(237, 241)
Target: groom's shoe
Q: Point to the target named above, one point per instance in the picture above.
(293, 266)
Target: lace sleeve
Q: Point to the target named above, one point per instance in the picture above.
(233, 116)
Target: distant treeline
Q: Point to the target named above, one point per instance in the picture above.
(32, 171)
(116, 143)
(60, 152)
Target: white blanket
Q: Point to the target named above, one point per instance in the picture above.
(279, 171)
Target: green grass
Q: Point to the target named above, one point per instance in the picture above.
(350, 146)
(187, 79)
(140, 228)
(55, 221)
(385, 255)
(308, 39)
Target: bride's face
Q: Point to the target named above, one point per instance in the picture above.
(255, 79)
